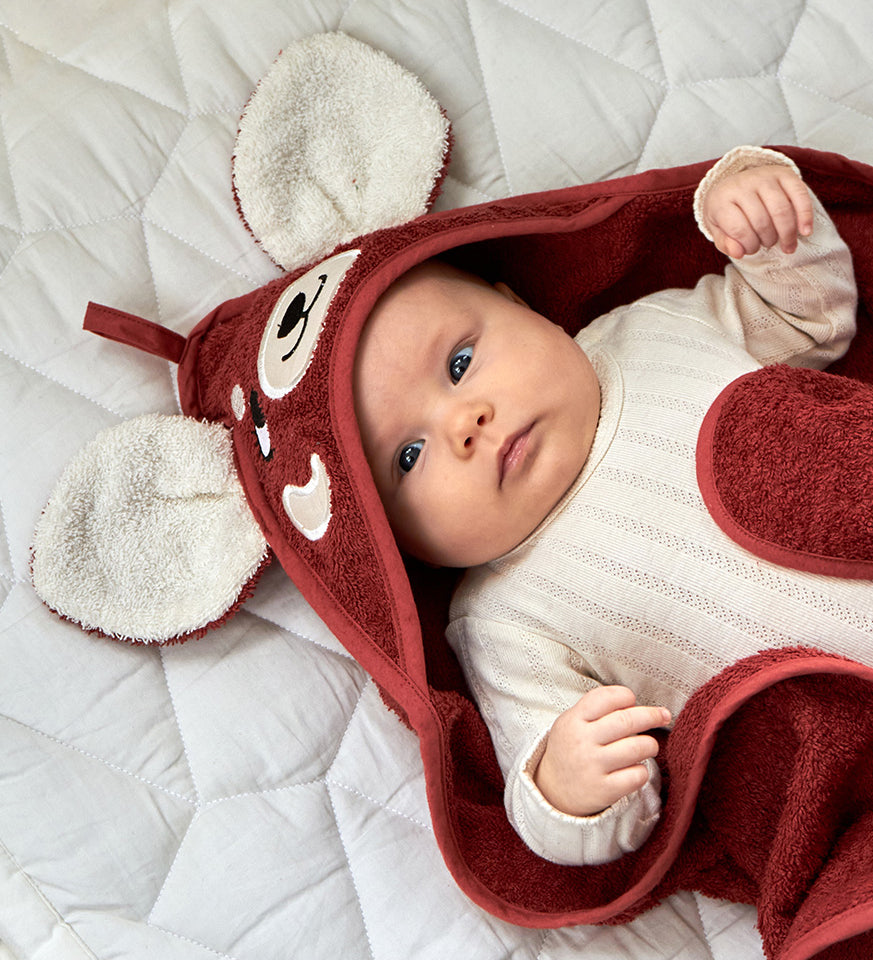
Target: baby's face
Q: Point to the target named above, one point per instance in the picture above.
(476, 414)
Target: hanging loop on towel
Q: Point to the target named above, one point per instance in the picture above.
(134, 331)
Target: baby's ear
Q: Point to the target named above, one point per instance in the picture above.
(147, 536)
(338, 140)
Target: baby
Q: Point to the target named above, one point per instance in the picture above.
(561, 472)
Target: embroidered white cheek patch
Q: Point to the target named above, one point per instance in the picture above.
(308, 507)
(287, 347)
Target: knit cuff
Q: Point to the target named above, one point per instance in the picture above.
(737, 160)
(600, 838)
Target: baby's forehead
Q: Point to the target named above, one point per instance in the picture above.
(405, 326)
(426, 286)
(432, 277)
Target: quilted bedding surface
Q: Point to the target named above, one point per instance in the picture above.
(248, 795)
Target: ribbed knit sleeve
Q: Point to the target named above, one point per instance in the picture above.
(522, 682)
(796, 308)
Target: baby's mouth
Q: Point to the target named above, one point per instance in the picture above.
(512, 452)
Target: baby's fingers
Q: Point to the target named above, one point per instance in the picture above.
(629, 752)
(629, 723)
(758, 217)
(623, 782)
(788, 207)
(801, 199)
(734, 235)
(622, 763)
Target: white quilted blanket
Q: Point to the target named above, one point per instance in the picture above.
(248, 795)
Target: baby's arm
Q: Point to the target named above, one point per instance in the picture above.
(790, 296)
(595, 751)
(529, 688)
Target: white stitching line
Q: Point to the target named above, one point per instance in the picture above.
(65, 386)
(488, 100)
(377, 803)
(37, 889)
(172, 32)
(345, 13)
(545, 936)
(207, 805)
(789, 81)
(306, 638)
(179, 728)
(143, 219)
(778, 83)
(170, 869)
(60, 227)
(342, 740)
(264, 792)
(354, 879)
(668, 87)
(469, 186)
(13, 578)
(658, 47)
(788, 111)
(101, 760)
(702, 926)
(642, 162)
(3, 40)
(90, 73)
(718, 81)
(587, 46)
(800, 17)
(195, 943)
(18, 247)
(164, 229)
(203, 805)
(782, 80)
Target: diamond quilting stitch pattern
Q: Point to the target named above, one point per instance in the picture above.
(272, 806)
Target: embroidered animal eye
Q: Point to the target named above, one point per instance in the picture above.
(458, 363)
(408, 456)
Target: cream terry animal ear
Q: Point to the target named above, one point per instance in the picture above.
(337, 141)
(148, 536)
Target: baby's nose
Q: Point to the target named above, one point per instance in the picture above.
(467, 427)
(480, 422)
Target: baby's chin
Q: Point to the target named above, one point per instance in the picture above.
(463, 556)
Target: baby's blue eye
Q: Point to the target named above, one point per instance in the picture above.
(458, 363)
(408, 456)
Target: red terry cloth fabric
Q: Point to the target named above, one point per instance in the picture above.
(785, 467)
(769, 801)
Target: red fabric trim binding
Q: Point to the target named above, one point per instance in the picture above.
(134, 331)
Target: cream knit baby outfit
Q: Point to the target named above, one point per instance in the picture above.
(628, 580)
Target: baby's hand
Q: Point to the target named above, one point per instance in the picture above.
(758, 208)
(594, 753)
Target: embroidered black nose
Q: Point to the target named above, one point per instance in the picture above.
(257, 413)
(262, 431)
